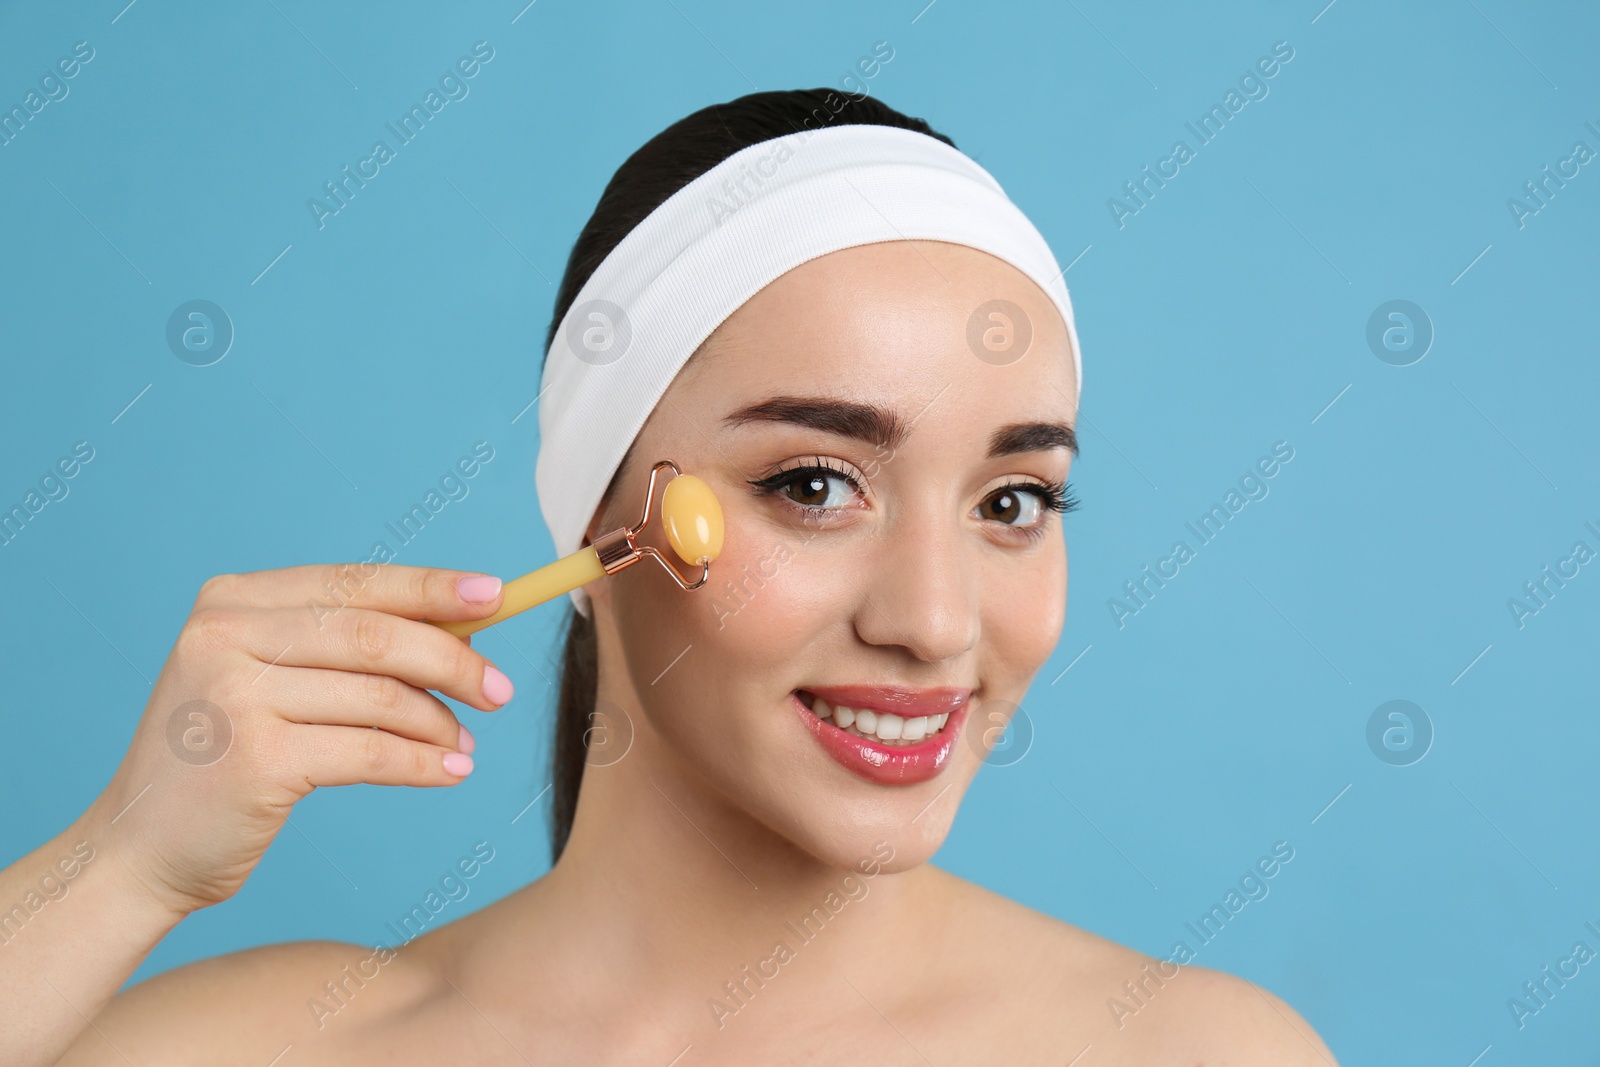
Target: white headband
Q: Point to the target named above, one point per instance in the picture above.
(717, 242)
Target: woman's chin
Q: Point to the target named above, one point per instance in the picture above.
(890, 836)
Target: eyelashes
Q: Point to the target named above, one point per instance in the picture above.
(1057, 496)
(814, 476)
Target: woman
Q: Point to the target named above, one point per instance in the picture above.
(749, 778)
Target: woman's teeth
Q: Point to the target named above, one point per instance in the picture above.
(879, 725)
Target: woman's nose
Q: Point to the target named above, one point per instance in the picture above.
(921, 594)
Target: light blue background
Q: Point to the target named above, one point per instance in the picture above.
(1225, 316)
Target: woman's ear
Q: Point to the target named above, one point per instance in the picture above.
(603, 522)
(599, 590)
(609, 515)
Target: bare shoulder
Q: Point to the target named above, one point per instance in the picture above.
(1125, 1005)
(252, 1004)
(1223, 1015)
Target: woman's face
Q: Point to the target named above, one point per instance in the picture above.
(886, 451)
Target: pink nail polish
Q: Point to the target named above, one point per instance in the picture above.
(458, 764)
(466, 742)
(478, 589)
(497, 688)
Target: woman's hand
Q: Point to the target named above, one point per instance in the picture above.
(279, 682)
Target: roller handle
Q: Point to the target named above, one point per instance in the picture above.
(534, 588)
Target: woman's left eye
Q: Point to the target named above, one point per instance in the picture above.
(1013, 505)
(1023, 506)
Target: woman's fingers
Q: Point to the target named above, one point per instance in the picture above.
(281, 681)
(346, 698)
(362, 641)
(347, 755)
(326, 589)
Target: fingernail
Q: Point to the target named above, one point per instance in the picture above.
(497, 688)
(458, 764)
(478, 589)
(465, 742)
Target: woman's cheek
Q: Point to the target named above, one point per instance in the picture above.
(771, 599)
(1025, 614)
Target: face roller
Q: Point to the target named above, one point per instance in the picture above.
(690, 515)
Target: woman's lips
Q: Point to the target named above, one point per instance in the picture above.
(872, 759)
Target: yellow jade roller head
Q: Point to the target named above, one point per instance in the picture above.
(690, 515)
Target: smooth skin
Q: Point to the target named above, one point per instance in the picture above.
(725, 821)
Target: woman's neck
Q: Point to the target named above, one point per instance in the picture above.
(671, 897)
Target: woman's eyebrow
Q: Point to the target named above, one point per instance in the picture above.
(884, 428)
(1032, 437)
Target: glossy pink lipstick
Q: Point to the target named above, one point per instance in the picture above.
(904, 764)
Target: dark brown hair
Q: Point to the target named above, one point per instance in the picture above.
(660, 167)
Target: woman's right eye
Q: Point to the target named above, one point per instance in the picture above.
(813, 487)
(817, 488)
